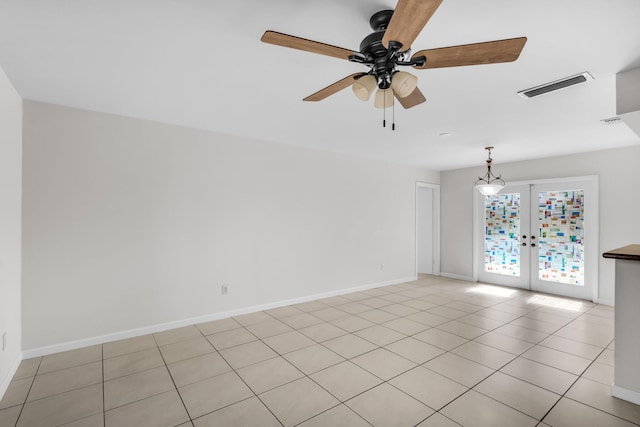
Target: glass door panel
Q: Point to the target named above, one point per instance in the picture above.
(566, 226)
(502, 234)
(561, 237)
(502, 252)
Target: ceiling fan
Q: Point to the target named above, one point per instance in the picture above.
(389, 47)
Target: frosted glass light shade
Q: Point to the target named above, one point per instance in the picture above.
(488, 189)
(404, 83)
(364, 87)
(384, 98)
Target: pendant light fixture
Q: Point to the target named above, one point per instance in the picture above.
(489, 184)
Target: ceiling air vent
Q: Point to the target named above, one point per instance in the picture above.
(611, 120)
(553, 86)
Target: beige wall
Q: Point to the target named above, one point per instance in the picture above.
(619, 208)
(130, 223)
(10, 228)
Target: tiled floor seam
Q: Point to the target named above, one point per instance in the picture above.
(172, 381)
(582, 403)
(59, 393)
(454, 399)
(27, 396)
(315, 382)
(127, 353)
(226, 406)
(248, 386)
(600, 410)
(562, 351)
(496, 370)
(329, 409)
(68, 367)
(516, 409)
(104, 412)
(560, 369)
(344, 402)
(561, 396)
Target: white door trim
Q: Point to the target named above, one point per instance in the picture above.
(592, 259)
(436, 225)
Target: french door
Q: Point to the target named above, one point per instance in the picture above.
(540, 236)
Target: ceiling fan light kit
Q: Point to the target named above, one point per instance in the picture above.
(403, 83)
(364, 87)
(384, 98)
(389, 47)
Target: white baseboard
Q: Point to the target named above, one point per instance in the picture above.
(605, 302)
(101, 339)
(14, 368)
(457, 277)
(625, 394)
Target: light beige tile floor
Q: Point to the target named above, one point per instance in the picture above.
(433, 352)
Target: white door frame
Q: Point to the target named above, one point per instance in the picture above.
(436, 225)
(591, 258)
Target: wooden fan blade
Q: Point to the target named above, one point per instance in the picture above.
(334, 88)
(414, 98)
(473, 54)
(409, 18)
(294, 42)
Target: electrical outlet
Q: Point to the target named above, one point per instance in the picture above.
(4, 341)
(224, 289)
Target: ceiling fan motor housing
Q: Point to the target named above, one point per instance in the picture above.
(380, 20)
(376, 54)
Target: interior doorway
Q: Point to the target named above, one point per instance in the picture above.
(427, 229)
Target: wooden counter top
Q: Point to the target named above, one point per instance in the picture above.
(631, 253)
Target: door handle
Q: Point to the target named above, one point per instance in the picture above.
(524, 244)
(533, 245)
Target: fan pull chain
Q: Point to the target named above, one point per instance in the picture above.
(393, 113)
(384, 111)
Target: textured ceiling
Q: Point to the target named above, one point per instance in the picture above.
(201, 64)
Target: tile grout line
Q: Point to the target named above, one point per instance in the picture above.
(172, 380)
(29, 392)
(572, 384)
(377, 385)
(104, 406)
(495, 370)
(305, 375)
(586, 404)
(248, 386)
(239, 376)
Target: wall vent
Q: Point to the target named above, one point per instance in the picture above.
(557, 85)
(611, 120)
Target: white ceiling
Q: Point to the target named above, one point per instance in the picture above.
(201, 64)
